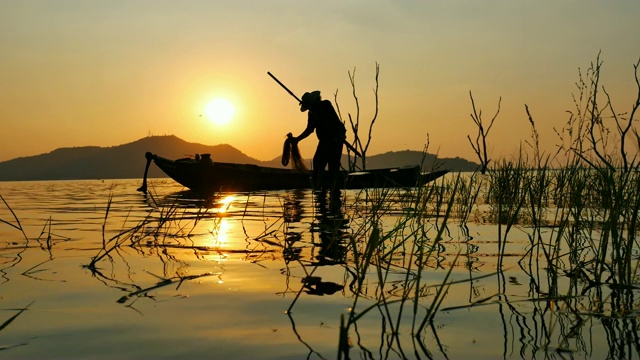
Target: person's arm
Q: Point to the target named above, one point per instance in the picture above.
(308, 131)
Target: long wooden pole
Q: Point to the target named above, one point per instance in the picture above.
(284, 87)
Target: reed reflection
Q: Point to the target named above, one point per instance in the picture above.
(181, 228)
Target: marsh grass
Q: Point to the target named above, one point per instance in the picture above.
(580, 217)
(393, 259)
(170, 220)
(46, 240)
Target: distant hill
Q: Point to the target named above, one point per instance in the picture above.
(428, 161)
(403, 158)
(117, 162)
(127, 161)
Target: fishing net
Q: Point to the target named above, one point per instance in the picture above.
(290, 152)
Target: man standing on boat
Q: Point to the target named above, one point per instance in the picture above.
(331, 134)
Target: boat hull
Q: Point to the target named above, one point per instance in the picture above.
(206, 176)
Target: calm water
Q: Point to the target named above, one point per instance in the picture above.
(258, 276)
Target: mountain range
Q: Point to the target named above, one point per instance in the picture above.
(127, 161)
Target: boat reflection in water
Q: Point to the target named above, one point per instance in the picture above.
(187, 199)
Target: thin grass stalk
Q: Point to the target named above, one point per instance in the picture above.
(15, 217)
(408, 276)
(507, 184)
(422, 256)
(363, 261)
(15, 316)
(106, 216)
(383, 304)
(467, 197)
(618, 241)
(435, 304)
(632, 229)
(437, 301)
(602, 247)
(371, 251)
(295, 299)
(399, 241)
(418, 239)
(343, 342)
(295, 331)
(166, 215)
(382, 267)
(46, 229)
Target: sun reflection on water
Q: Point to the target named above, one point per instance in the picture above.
(220, 233)
(226, 203)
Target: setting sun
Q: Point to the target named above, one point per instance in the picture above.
(219, 111)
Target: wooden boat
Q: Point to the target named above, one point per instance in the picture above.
(206, 176)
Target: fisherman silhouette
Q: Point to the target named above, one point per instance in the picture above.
(331, 132)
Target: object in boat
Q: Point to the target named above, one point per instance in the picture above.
(203, 175)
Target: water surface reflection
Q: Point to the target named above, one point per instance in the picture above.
(88, 264)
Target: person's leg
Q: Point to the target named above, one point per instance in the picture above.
(320, 160)
(335, 156)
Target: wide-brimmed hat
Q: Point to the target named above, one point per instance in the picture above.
(308, 99)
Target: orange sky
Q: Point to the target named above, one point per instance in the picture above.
(78, 73)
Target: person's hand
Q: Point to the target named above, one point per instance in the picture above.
(291, 138)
